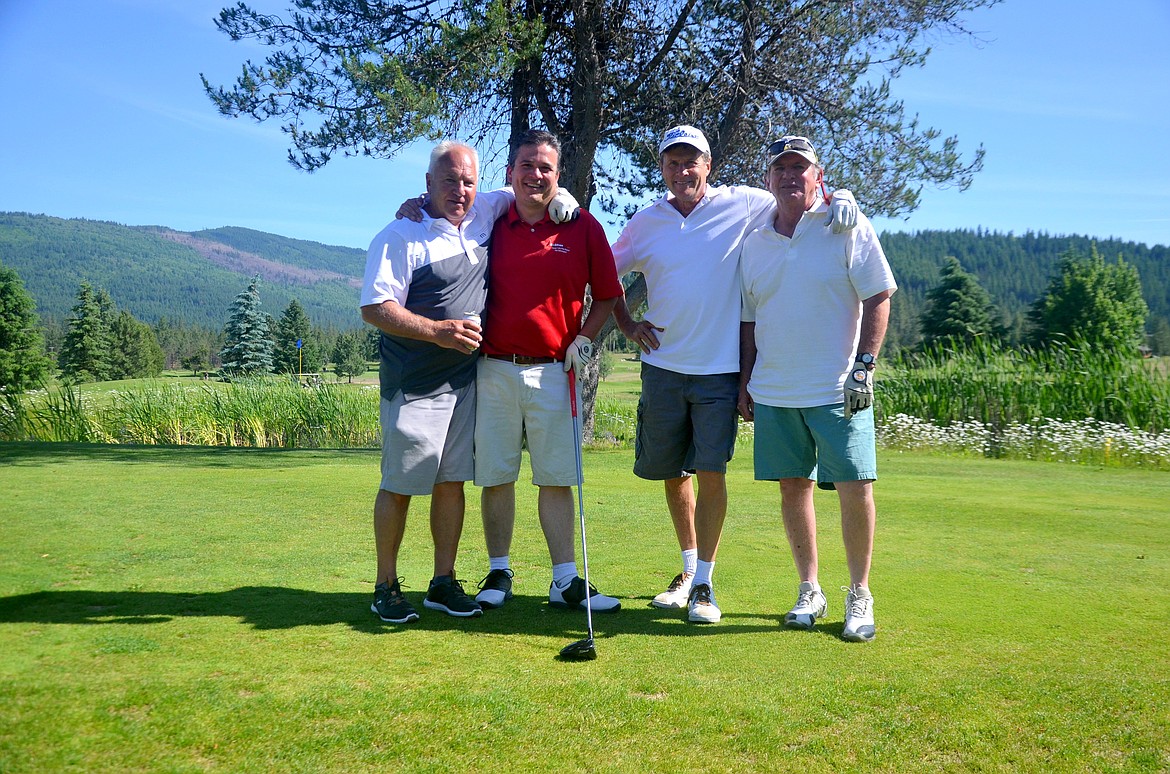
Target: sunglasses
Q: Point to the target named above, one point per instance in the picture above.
(790, 144)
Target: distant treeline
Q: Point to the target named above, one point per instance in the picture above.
(157, 278)
(1015, 271)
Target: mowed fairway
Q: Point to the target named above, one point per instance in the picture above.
(190, 609)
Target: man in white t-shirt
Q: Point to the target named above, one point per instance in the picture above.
(686, 245)
(815, 309)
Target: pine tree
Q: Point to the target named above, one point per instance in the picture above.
(134, 349)
(958, 308)
(294, 325)
(349, 359)
(85, 354)
(248, 344)
(1092, 302)
(23, 363)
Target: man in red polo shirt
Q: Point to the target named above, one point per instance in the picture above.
(533, 334)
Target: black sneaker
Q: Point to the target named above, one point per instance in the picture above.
(495, 589)
(572, 597)
(390, 605)
(446, 594)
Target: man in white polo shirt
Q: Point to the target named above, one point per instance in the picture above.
(815, 309)
(687, 246)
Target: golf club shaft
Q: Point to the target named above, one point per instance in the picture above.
(581, 498)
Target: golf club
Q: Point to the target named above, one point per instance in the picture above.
(581, 650)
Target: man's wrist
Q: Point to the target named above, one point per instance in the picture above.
(867, 359)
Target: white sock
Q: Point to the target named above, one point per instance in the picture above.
(499, 563)
(563, 573)
(703, 571)
(689, 557)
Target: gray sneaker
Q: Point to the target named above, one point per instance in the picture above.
(858, 615)
(390, 605)
(810, 605)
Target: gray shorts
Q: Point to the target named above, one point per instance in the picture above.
(685, 423)
(427, 441)
(816, 442)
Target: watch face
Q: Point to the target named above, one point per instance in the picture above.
(866, 358)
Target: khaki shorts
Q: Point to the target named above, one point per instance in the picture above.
(518, 406)
(427, 441)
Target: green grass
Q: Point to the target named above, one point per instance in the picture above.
(192, 609)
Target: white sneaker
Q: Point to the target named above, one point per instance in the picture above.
(810, 605)
(572, 597)
(702, 607)
(858, 614)
(677, 593)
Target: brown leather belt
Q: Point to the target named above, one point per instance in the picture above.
(524, 360)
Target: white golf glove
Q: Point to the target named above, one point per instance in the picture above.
(842, 212)
(564, 208)
(858, 390)
(578, 355)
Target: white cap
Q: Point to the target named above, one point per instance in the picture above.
(684, 134)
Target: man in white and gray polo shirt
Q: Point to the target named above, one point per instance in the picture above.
(687, 245)
(425, 288)
(425, 285)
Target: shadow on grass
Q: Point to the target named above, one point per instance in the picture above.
(277, 607)
(31, 454)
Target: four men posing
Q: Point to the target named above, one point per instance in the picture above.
(697, 368)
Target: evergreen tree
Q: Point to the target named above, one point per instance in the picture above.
(349, 358)
(1094, 302)
(294, 325)
(247, 349)
(85, 354)
(134, 349)
(373, 343)
(23, 363)
(958, 308)
(1160, 337)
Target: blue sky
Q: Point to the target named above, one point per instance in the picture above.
(105, 118)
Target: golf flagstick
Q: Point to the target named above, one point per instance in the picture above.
(581, 650)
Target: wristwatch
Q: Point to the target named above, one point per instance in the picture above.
(867, 360)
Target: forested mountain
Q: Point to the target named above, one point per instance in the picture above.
(156, 272)
(1015, 270)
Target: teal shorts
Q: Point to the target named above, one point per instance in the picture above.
(815, 443)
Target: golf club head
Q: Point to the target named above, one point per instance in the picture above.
(581, 650)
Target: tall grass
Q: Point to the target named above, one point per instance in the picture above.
(1001, 387)
(270, 412)
(1070, 403)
